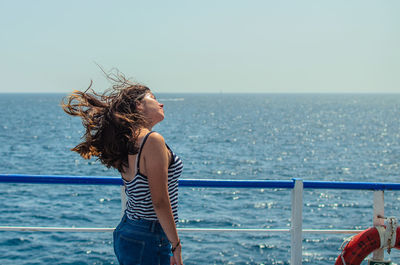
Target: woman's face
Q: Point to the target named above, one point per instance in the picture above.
(151, 109)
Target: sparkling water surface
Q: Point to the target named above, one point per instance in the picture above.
(218, 136)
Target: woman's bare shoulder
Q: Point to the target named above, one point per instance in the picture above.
(155, 142)
(155, 153)
(156, 138)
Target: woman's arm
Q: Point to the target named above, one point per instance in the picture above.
(156, 161)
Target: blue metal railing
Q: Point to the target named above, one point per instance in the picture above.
(210, 183)
(296, 185)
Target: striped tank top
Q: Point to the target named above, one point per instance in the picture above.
(139, 204)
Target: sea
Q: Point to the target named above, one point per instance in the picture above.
(330, 137)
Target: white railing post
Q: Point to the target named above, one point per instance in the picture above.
(379, 210)
(296, 225)
(123, 200)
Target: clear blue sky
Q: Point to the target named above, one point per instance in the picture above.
(203, 46)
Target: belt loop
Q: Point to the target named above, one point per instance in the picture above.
(153, 226)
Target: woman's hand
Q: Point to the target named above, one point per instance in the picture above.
(176, 259)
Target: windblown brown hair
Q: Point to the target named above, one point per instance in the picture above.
(111, 120)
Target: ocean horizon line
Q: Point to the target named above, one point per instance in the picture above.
(224, 93)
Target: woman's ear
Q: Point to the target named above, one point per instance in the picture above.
(139, 105)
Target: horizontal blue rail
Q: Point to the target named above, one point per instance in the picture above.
(210, 183)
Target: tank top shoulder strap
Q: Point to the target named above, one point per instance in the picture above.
(140, 151)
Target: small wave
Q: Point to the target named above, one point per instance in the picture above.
(15, 241)
(171, 99)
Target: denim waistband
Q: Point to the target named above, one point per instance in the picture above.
(149, 225)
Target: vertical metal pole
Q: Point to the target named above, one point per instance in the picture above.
(379, 209)
(296, 225)
(123, 200)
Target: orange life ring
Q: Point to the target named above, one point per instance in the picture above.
(362, 245)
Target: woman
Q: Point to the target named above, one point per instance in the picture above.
(119, 132)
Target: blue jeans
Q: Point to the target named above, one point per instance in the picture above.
(141, 242)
